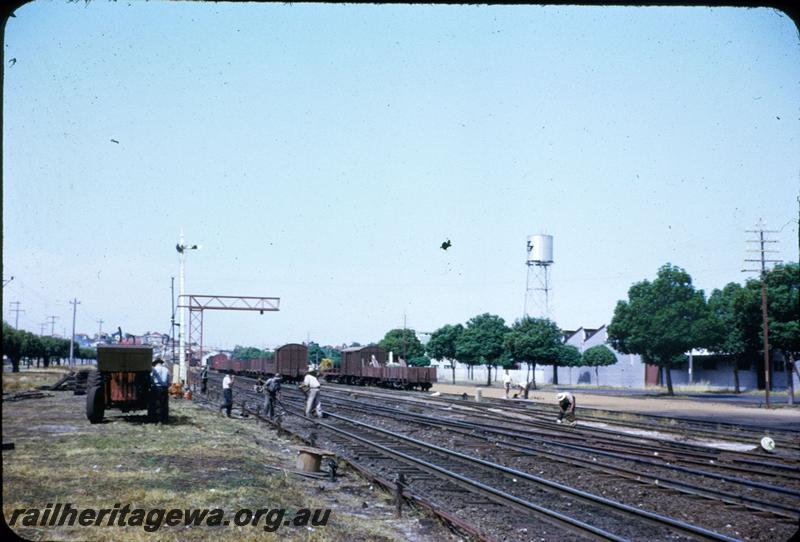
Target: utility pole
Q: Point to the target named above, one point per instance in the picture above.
(172, 320)
(74, 304)
(52, 321)
(100, 328)
(17, 311)
(763, 271)
(41, 329)
(182, 247)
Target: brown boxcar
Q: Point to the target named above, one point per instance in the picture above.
(355, 359)
(291, 361)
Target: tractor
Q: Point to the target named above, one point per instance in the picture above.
(121, 381)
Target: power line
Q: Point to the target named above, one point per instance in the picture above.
(52, 321)
(16, 310)
(762, 242)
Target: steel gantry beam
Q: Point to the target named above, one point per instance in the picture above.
(197, 304)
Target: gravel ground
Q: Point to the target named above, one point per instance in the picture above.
(705, 409)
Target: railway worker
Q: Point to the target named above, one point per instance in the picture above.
(158, 408)
(310, 387)
(524, 389)
(227, 395)
(566, 404)
(507, 383)
(204, 379)
(271, 388)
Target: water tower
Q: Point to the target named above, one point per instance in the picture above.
(537, 285)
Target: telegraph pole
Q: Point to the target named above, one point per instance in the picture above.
(762, 241)
(41, 329)
(52, 321)
(17, 311)
(74, 304)
(172, 320)
(100, 329)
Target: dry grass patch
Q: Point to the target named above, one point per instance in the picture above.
(202, 460)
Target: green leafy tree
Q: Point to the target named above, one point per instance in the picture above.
(728, 306)
(333, 354)
(403, 342)
(534, 341)
(250, 352)
(32, 347)
(482, 342)
(12, 345)
(419, 361)
(442, 345)
(598, 356)
(569, 356)
(86, 353)
(783, 311)
(662, 319)
(315, 353)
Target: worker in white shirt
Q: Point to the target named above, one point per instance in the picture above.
(310, 387)
(227, 394)
(566, 405)
(507, 383)
(158, 407)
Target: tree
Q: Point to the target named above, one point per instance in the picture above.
(419, 361)
(403, 342)
(534, 341)
(482, 342)
(598, 356)
(662, 320)
(315, 353)
(250, 352)
(442, 344)
(12, 345)
(783, 307)
(32, 347)
(729, 337)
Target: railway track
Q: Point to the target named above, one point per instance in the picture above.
(680, 427)
(483, 487)
(521, 442)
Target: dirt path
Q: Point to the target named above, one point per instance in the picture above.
(710, 410)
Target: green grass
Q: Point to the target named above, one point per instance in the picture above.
(202, 460)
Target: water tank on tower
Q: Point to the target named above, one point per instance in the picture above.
(540, 249)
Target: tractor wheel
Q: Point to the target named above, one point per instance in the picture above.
(95, 398)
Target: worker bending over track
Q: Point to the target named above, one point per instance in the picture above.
(566, 404)
(310, 387)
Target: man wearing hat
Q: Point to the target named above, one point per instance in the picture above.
(158, 408)
(271, 388)
(310, 387)
(566, 402)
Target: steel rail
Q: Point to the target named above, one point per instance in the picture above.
(494, 494)
(667, 447)
(657, 518)
(685, 487)
(685, 527)
(544, 410)
(647, 454)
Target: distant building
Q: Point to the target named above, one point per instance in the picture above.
(627, 372)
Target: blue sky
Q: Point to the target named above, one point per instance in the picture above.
(322, 153)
